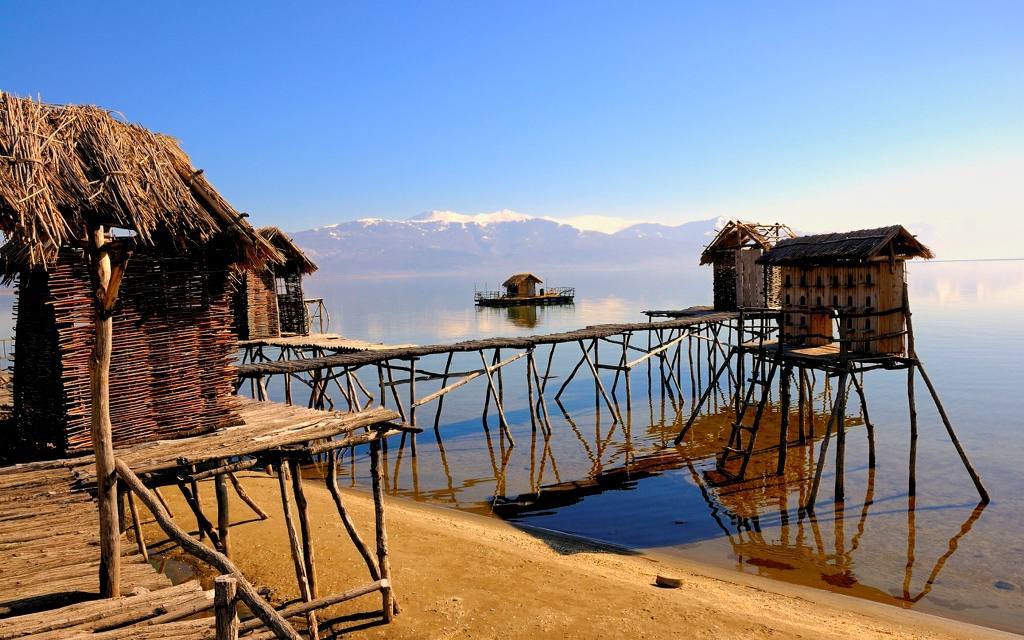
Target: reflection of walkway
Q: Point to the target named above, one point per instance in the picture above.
(795, 556)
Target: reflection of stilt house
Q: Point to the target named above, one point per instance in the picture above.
(269, 302)
(858, 273)
(739, 281)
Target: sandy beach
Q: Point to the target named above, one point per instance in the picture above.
(460, 575)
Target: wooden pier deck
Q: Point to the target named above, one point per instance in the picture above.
(321, 341)
(49, 530)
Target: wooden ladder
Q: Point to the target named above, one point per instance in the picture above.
(743, 436)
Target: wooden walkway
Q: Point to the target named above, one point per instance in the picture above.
(358, 359)
(322, 341)
(49, 531)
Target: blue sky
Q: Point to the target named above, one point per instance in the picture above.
(813, 113)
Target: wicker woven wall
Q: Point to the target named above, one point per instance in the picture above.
(171, 372)
(255, 306)
(291, 305)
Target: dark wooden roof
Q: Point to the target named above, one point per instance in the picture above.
(848, 246)
(520, 278)
(736, 234)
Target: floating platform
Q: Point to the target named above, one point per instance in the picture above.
(514, 301)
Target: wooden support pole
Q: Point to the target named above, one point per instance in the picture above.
(219, 561)
(598, 383)
(497, 403)
(813, 495)
(163, 503)
(220, 484)
(246, 498)
(543, 403)
(107, 279)
(867, 420)
(383, 563)
(982, 492)
(444, 383)
(700, 403)
(203, 524)
(283, 477)
(302, 506)
(224, 590)
(137, 526)
(840, 491)
(529, 389)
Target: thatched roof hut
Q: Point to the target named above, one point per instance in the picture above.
(269, 301)
(738, 280)
(522, 284)
(80, 192)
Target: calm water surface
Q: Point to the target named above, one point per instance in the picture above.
(940, 554)
(618, 483)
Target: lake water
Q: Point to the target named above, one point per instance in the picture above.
(617, 482)
(599, 480)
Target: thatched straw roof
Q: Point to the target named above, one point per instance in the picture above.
(850, 246)
(520, 278)
(64, 169)
(737, 233)
(292, 254)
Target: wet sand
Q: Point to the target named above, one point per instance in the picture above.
(461, 575)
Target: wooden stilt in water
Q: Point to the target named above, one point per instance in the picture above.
(529, 389)
(982, 492)
(867, 420)
(784, 388)
(497, 402)
(813, 495)
(444, 383)
(840, 420)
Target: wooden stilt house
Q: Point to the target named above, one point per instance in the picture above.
(739, 281)
(77, 185)
(857, 276)
(269, 302)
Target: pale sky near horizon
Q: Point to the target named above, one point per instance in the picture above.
(822, 115)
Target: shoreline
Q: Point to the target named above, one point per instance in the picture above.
(460, 575)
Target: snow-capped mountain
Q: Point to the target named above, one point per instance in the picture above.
(445, 241)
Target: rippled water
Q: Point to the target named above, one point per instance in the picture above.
(619, 483)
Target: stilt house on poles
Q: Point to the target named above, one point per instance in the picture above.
(109, 224)
(269, 301)
(738, 280)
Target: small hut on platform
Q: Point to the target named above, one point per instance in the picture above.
(739, 281)
(269, 302)
(521, 285)
(858, 275)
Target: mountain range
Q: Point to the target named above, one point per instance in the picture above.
(447, 242)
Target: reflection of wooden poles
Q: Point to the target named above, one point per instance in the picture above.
(497, 400)
(867, 420)
(952, 436)
(246, 592)
(812, 497)
(597, 381)
(703, 398)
